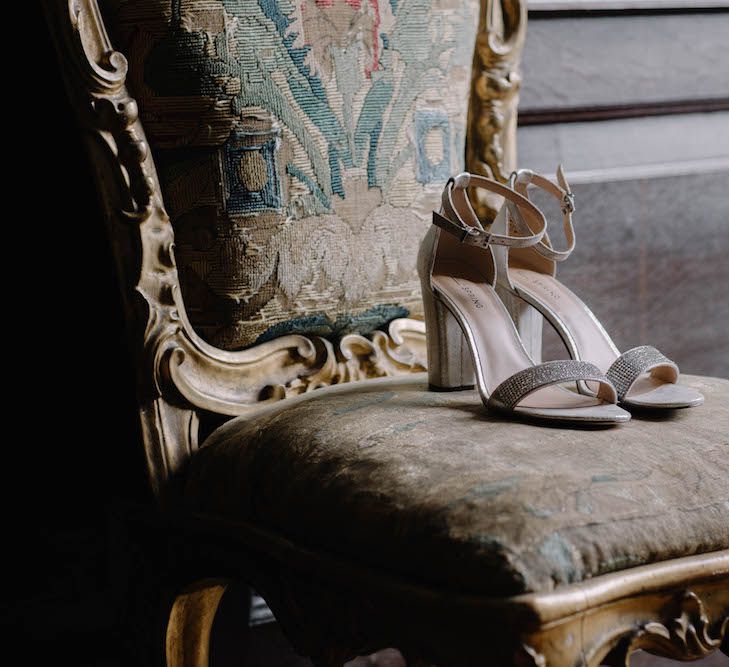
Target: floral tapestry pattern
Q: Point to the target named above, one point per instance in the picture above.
(301, 148)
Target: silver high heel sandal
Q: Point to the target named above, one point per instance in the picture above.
(470, 334)
(643, 377)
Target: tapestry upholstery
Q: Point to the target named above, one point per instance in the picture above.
(301, 147)
(431, 486)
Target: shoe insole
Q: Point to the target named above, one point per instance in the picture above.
(498, 350)
(592, 342)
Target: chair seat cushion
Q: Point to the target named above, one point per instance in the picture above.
(431, 486)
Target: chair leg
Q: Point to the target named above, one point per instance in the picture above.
(190, 622)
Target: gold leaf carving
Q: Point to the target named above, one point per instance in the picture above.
(236, 383)
(687, 636)
(495, 83)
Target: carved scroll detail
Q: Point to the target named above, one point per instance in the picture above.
(526, 656)
(495, 83)
(140, 230)
(674, 622)
(237, 383)
(358, 358)
(685, 637)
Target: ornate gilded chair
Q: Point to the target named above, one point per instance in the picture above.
(266, 253)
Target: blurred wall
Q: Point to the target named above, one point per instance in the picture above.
(635, 104)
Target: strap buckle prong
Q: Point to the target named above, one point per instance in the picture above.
(568, 203)
(469, 231)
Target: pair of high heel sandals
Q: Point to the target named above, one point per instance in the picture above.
(481, 290)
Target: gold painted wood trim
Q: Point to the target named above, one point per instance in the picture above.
(495, 83)
(643, 579)
(187, 641)
(687, 622)
(677, 608)
(238, 383)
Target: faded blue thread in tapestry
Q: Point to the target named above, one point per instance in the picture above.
(238, 198)
(185, 63)
(459, 142)
(583, 502)
(298, 173)
(272, 10)
(427, 120)
(314, 325)
(492, 489)
(336, 172)
(369, 126)
(404, 428)
(371, 158)
(321, 325)
(312, 99)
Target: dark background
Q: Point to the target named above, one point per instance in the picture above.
(78, 461)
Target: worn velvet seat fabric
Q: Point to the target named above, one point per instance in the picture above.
(430, 486)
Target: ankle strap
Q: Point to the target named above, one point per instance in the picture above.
(521, 179)
(461, 221)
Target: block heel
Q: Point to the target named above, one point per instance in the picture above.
(450, 367)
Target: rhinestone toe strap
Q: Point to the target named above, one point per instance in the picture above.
(630, 365)
(514, 389)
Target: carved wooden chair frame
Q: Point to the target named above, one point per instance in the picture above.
(329, 608)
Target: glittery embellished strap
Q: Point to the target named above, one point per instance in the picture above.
(512, 390)
(630, 365)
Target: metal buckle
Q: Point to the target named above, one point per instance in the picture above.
(469, 231)
(568, 203)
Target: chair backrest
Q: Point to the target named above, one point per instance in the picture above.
(300, 149)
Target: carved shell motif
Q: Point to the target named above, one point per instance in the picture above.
(686, 637)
